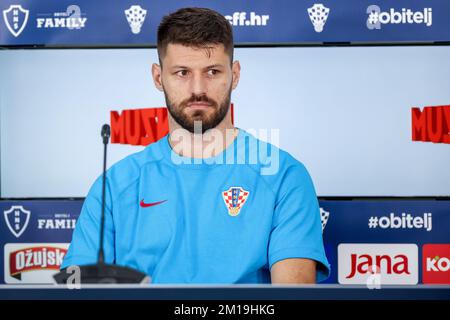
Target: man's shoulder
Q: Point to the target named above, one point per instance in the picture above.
(276, 166)
(136, 160)
(125, 172)
(267, 154)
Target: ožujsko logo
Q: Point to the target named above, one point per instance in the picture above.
(234, 199)
(436, 263)
(17, 219)
(135, 16)
(33, 262)
(16, 19)
(377, 17)
(394, 263)
(318, 14)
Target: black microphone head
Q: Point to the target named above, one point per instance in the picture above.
(106, 131)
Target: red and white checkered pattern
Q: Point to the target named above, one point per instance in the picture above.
(228, 198)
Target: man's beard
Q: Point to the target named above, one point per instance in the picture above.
(208, 120)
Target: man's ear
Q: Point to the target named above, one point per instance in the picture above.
(156, 74)
(236, 72)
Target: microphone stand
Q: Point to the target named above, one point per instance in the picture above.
(102, 272)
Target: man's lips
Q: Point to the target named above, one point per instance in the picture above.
(198, 105)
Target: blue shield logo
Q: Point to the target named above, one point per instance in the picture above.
(16, 19)
(17, 219)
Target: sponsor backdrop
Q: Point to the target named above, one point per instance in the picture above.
(365, 121)
(34, 237)
(103, 22)
(375, 243)
(391, 235)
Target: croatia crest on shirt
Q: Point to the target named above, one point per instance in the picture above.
(235, 198)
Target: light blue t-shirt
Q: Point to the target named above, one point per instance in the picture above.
(225, 219)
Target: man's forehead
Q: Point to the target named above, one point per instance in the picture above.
(210, 53)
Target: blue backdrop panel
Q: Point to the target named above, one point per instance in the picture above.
(104, 22)
(345, 222)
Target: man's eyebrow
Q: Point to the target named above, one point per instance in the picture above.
(217, 65)
(179, 67)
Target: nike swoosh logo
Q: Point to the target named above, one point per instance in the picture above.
(146, 205)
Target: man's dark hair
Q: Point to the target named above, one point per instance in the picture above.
(195, 27)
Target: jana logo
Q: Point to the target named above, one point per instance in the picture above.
(16, 19)
(318, 14)
(324, 215)
(135, 17)
(17, 219)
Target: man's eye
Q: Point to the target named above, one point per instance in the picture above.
(213, 72)
(182, 73)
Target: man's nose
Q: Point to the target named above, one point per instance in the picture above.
(198, 84)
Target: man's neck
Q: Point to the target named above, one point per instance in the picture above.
(209, 144)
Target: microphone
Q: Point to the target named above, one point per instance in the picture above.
(102, 272)
(106, 133)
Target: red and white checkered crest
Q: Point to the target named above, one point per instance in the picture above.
(235, 198)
